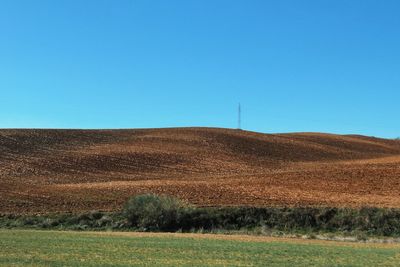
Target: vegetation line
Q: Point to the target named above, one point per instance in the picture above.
(151, 213)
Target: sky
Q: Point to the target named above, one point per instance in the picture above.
(295, 66)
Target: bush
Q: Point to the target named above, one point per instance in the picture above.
(162, 213)
(154, 213)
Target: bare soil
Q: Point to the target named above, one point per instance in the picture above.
(79, 170)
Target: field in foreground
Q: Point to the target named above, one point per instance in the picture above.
(41, 248)
(83, 170)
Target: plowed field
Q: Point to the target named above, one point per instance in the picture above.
(80, 170)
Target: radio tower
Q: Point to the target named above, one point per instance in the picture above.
(239, 117)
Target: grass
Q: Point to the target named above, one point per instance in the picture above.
(56, 248)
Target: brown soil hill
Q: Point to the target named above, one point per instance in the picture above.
(76, 170)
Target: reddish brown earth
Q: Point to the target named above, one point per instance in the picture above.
(76, 170)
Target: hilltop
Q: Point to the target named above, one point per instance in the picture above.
(77, 170)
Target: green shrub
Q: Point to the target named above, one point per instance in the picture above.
(154, 213)
(162, 213)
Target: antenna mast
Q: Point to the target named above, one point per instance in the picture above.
(239, 117)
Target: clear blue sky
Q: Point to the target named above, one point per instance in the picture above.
(326, 66)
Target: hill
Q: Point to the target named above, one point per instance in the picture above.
(76, 170)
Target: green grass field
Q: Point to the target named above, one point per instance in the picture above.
(55, 248)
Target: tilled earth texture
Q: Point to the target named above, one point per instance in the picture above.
(79, 170)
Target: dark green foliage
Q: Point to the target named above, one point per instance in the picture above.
(369, 221)
(154, 213)
(86, 221)
(162, 213)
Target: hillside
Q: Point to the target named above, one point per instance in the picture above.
(76, 170)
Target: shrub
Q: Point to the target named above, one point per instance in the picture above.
(154, 213)
(162, 213)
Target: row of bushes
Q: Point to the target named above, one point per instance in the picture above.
(162, 213)
(94, 220)
(154, 213)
